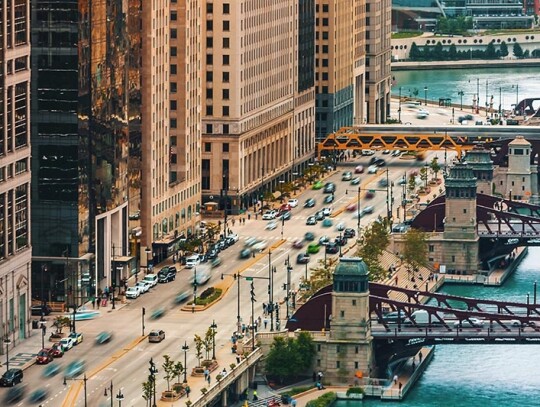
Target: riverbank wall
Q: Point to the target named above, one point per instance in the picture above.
(475, 63)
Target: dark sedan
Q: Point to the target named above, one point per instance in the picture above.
(302, 258)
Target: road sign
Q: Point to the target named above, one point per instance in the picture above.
(249, 278)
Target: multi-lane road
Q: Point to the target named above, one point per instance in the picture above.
(125, 361)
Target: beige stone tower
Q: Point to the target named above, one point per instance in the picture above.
(518, 178)
(349, 347)
(460, 252)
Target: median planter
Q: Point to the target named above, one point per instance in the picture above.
(211, 365)
(170, 395)
(55, 337)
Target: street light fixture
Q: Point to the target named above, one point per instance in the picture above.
(214, 327)
(238, 317)
(194, 290)
(425, 95)
(7, 341)
(185, 348)
(153, 371)
(461, 93)
(119, 397)
(110, 388)
(43, 331)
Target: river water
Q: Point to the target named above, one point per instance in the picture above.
(504, 84)
(481, 375)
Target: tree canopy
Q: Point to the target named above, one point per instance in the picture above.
(415, 248)
(375, 241)
(289, 358)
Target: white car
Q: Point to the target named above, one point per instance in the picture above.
(327, 211)
(269, 215)
(152, 279)
(271, 225)
(340, 226)
(143, 286)
(260, 246)
(233, 236)
(66, 343)
(469, 323)
(293, 203)
(373, 169)
(132, 292)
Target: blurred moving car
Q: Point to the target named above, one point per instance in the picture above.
(103, 337)
(51, 370)
(311, 220)
(298, 244)
(329, 199)
(157, 313)
(313, 248)
(75, 368)
(245, 253)
(156, 335)
(302, 258)
(469, 323)
(309, 236)
(38, 395)
(317, 185)
(359, 169)
(271, 225)
(183, 296)
(14, 395)
(310, 203)
(346, 176)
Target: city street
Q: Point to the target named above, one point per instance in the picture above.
(129, 369)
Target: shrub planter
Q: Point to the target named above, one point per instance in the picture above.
(170, 395)
(211, 365)
(56, 337)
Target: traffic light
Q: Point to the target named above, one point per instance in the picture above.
(252, 292)
(144, 311)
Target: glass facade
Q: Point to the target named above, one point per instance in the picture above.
(84, 79)
(306, 44)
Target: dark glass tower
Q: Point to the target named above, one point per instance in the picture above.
(86, 91)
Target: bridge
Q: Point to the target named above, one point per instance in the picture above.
(424, 138)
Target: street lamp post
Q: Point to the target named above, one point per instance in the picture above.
(288, 285)
(270, 291)
(7, 341)
(214, 327)
(110, 388)
(399, 108)
(43, 331)
(185, 348)
(425, 95)
(119, 397)
(238, 317)
(194, 289)
(84, 379)
(153, 371)
(461, 93)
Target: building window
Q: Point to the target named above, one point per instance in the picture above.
(342, 314)
(226, 8)
(318, 347)
(464, 210)
(209, 8)
(354, 303)
(209, 59)
(356, 349)
(225, 77)
(205, 174)
(226, 43)
(173, 123)
(225, 147)
(209, 129)
(174, 87)
(225, 94)
(225, 129)
(209, 93)
(356, 365)
(453, 259)
(209, 76)
(209, 25)
(226, 59)
(318, 362)
(431, 248)
(173, 69)
(226, 25)
(338, 364)
(226, 111)
(174, 33)
(174, 16)
(209, 42)
(209, 110)
(207, 147)
(173, 104)
(338, 348)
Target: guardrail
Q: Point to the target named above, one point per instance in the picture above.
(234, 374)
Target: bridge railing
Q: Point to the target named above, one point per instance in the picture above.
(231, 377)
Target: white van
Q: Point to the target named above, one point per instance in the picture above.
(193, 261)
(152, 279)
(421, 317)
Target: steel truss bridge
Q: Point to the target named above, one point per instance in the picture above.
(424, 138)
(504, 322)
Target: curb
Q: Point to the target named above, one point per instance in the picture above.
(225, 285)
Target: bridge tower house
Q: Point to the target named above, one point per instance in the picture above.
(520, 172)
(460, 240)
(347, 352)
(480, 161)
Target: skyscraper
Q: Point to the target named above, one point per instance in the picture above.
(257, 111)
(15, 248)
(86, 124)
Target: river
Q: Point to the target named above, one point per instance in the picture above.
(482, 375)
(504, 84)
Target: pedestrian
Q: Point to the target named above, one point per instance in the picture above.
(93, 302)
(400, 386)
(293, 402)
(259, 321)
(420, 356)
(265, 322)
(97, 301)
(249, 216)
(255, 398)
(206, 374)
(395, 379)
(396, 279)
(188, 390)
(320, 376)
(264, 308)
(238, 360)
(413, 365)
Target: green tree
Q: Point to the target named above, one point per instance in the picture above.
(321, 276)
(198, 348)
(60, 322)
(424, 175)
(415, 248)
(414, 53)
(491, 53)
(518, 51)
(168, 368)
(207, 342)
(435, 166)
(177, 371)
(147, 388)
(375, 241)
(438, 52)
(452, 52)
(503, 50)
(288, 358)
(411, 183)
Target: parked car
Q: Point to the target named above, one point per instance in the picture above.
(166, 276)
(156, 335)
(77, 337)
(233, 236)
(193, 261)
(341, 241)
(324, 240)
(348, 233)
(57, 350)
(310, 203)
(328, 199)
(37, 310)
(44, 356)
(311, 220)
(293, 203)
(11, 377)
(329, 188)
(313, 248)
(66, 343)
(143, 286)
(327, 211)
(319, 215)
(132, 292)
(340, 227)
(173, 269)
(152, 279)
(298, 244)
(302, 258)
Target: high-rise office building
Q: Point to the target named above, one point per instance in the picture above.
(258, 111)
(15, 249)
(86, 143)
(339, 64)
(171, 191)
(378, 57)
